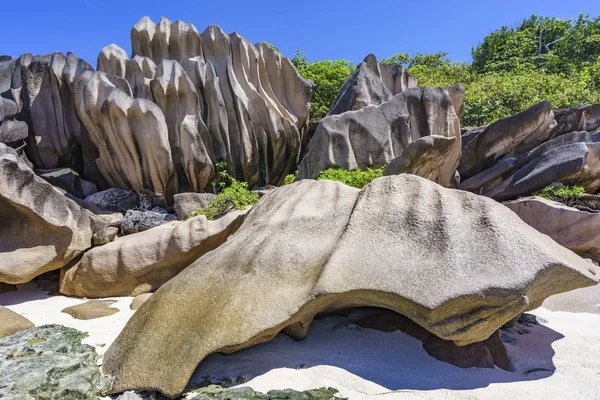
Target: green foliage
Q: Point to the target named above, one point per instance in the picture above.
(290, 178)
(233, 195)
(328, 76)
(357, 178)
(270, 45)
(565, 194)
(566, 46)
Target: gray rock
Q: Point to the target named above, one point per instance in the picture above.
(13, 131)
(105, 235)
(69, 181)
(42, 230)
(457, 264)
(425, 157)
(136, 221)
(246, 393)
(50, 362)
(116, 200)
(371, 83)
(8, 108)
(576, 119)
(375, 135)
(185, 204)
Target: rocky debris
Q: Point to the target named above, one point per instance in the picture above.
(402, 243)
(141, 263)
(42, 230)
(11, 322)
(425, 157)
(375, 135)
(116, 200)
(92, 309)
(486, 354)
(185, 204)
(139, 300)
(69, 181)
(371, 83)
(50, 362)
(136, 221)
(575, 229)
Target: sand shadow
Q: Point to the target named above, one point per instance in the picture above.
(394, 361)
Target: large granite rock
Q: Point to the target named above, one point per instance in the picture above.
(50, 362)
(376, 134)
(69, 181)
(572, 159)
(576, 230)
(223, 99)
(141, 263)
(135, 221)
(185, 204)
(11, 322)
(42, 88)
(576, 119)
(520, 132)
(127, 143)
(371, 83)
(42, 230)
(457, 264)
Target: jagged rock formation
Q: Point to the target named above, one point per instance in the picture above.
(376, 134)
(42, 89)
(69, 181)
(371, 83)
(140, 263)
(532, 149)
(402, 243)
(50, 362)
(42, 230)
(218, 104)
(575, 229)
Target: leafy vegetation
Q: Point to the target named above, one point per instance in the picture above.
(510, 70)
(564, 194)
(328, 76)
(357, 178)
(232, 195)
(290, 178)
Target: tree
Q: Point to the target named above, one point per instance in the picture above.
(328, 77)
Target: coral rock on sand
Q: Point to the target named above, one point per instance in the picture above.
(92, 309)
(458, 264)
(11, 322)
(42, 230)
(376, 134)
(49, 362)
(142, 262)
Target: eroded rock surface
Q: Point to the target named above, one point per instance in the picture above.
(375, 135)
(457, 264)
(141, 263)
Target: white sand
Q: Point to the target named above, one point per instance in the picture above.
(42, 309)
(364, 363)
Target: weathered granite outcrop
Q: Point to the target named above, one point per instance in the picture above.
(458, 264)
(42, 230)
(141, 263)
(375, 135)
(11, 322)
(371, 83)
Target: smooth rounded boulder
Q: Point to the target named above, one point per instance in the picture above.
(458, 264)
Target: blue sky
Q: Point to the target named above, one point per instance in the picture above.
(324, 29)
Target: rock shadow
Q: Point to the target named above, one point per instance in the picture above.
(391, 360)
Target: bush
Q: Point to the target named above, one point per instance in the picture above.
(233, 195)
(290, 178)
(357, 178)
(564, 194)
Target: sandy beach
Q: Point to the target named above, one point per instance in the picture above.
(556, 359)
